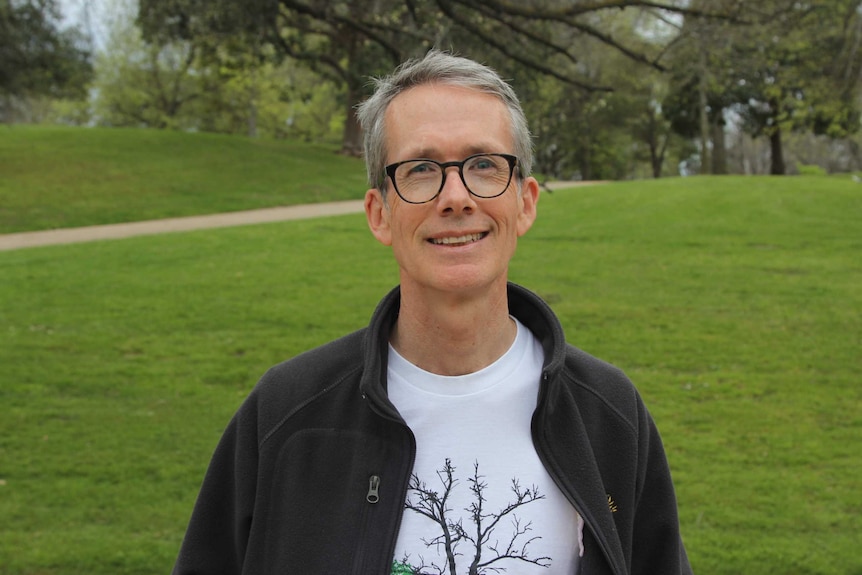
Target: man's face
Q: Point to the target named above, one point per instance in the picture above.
(456, 242)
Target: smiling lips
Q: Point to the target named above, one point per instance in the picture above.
(458, 240)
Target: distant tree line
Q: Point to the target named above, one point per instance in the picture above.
(613, 88)
(37, 58)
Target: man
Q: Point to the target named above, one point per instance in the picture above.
(458, 433)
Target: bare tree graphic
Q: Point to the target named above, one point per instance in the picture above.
(487, 552)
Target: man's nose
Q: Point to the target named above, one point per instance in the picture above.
(454, 195)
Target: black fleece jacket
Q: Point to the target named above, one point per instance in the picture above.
(311, 474)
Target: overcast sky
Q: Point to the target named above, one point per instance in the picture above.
(90, 16)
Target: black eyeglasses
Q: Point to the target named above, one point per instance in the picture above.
(484, 176)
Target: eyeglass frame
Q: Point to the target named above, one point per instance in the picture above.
(510, 158)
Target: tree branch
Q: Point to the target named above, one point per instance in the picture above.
(329, 16)
(576, 9)
(517, 56)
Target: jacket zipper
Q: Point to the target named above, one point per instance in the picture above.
(396, 418)
(373, 495)
(371, 498)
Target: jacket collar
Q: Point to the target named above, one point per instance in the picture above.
(526, 306)
(537, 316)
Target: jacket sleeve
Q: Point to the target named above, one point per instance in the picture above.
(217, 535)
(657, 545)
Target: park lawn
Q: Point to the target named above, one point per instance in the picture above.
(58, 177)
(735, 304)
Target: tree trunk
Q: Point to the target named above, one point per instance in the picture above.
(586, 162)
(351, 140)
(777, 165)
(354, 77)
(252, 103)
(656, 149)
(656, 166)
(705, 155)
(719, 152)
(658, 157)
(655, 161)
(252, 119)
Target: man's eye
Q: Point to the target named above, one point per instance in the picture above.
(482, 164)
(421, 168)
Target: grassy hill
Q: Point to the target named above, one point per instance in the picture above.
(735, 304)
(56, 177)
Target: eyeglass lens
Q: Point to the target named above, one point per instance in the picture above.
(484, 175)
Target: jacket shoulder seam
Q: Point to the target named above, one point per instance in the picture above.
(607, 402)
(306, 402)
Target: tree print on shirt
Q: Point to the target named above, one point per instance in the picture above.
(480, 539)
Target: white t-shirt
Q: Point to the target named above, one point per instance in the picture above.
(478, 484)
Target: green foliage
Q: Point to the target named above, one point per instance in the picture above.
(69, 112)
(244, 93)
(810, 170)
(64, 177)
(37, 58)
(733, 303)
(143, 85)
(350, 41)
(296, 69)
(287, 69)
(793, 81)
(602, 134)
(225, 87)
(314, 113)
(328, 38)
(792, 67)
(577, 134)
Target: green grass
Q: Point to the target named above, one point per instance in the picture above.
(736, 306)
(58, 177)
(734, 303)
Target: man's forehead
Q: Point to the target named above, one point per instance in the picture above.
(438, 120)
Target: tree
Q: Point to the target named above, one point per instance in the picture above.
(639, 93)
(607, 134)
(37, 58)
(227, 87)
(139, 84)
(695, 108)
(322, 35)
(793, 67)
(351, 40)
(244, 93)
(792, 81)
(701, 78)
(651, 128)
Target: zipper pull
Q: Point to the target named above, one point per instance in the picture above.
(373, 489)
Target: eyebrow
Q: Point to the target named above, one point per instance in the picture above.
(433, 153)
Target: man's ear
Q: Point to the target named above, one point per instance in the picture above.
(529, 199)
(377, 214)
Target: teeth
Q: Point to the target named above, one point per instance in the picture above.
(457, 240)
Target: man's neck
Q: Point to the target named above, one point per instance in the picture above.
(451, 334)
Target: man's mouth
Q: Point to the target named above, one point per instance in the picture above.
(458, 240)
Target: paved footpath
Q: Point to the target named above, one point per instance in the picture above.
(150, 227)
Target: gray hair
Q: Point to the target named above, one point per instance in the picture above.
(442, 68)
